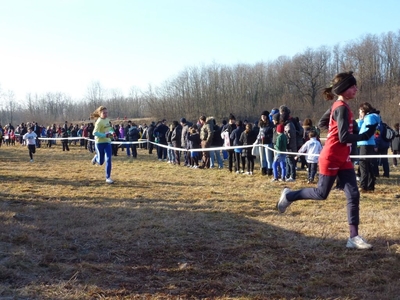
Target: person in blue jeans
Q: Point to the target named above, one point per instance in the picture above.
(103, 132)
(216, 142)
(280, 158)
(264, 137)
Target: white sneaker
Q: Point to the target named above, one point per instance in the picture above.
(109, 181)
(283, 203)
(31, 160)
(290, 180)
(358, 242)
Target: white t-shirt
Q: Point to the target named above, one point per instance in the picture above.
(30, 138)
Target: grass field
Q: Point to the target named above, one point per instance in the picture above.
(170, 232)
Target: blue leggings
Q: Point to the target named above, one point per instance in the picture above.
(104, 153)
(279, 161)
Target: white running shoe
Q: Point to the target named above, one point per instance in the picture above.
(109, 181)
(358, 242)
(283, 203)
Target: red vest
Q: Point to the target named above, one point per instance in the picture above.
(335, 155)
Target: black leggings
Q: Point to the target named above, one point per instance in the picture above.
(32, 150)
(348, 180)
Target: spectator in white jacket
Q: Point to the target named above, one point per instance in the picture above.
(313, 148)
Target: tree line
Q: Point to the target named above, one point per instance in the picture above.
(242, 89)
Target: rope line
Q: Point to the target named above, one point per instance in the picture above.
(142, 141)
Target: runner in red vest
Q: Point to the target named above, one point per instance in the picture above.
(334, 160)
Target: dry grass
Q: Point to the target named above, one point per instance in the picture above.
(169, 232)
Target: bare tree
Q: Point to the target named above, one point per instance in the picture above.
(95, 94)
(306, 74)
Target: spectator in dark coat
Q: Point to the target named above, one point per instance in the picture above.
(150, 137)
(176, 139)
(133, 136)
(159, 134)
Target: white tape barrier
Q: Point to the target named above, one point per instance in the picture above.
(142, 141)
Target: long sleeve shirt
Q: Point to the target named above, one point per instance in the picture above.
(101, 128)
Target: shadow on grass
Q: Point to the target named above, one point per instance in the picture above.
(153, 247)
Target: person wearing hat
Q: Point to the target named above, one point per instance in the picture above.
(264, 138)
(273, 112)
(334, 160)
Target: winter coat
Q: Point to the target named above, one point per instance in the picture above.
(235, 136)
(150, 133)
(265, 133)
(184, 134)
(312, 146)
(247, 138)
(217, 141)
(160, 132)
(206, 131)
(133, 134)
(193, 141)
(291, 135)
(176, 136)
(371, 118)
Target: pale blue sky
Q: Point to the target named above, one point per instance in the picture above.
(65, 45)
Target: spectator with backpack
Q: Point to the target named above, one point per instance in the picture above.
(382, 142)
